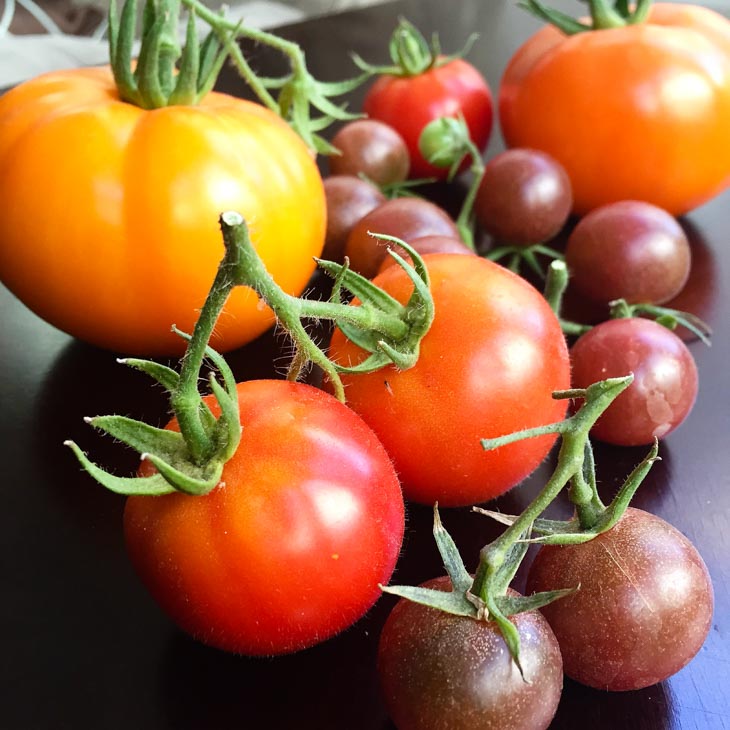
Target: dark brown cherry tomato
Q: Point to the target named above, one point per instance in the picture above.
(524, 197)
(426, 245)
(665, 378)
(405, 218)
(371, 148)
(349, 199)
(643, 609)
(628, 250)
(444, 672)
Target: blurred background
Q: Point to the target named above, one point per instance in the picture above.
(43, 35)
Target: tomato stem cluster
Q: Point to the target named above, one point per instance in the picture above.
(411, 54)
(556, 282)
(192, 460)
(603, 15)
(298, 92)
(165, 74)
(485, 596)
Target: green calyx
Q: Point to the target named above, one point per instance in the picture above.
(297, 97)
(446, 142)
(411, 54)
(485, 596)
(192, 460)
(556, 282)
(669, 318)
(165, 74)
(515, 255)
(604, 15)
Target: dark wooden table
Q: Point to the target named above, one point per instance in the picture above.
(84, 647)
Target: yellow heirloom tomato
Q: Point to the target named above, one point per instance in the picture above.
(109, 228)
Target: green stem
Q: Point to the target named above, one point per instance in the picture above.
(574, 432)
(604, 16)
(219, 23)
(185, 399)
(463, 222)
(641, 12)
(556, 282)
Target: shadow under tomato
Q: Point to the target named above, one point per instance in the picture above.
(615, 463)
(328, 687)
(637, 710)
(700, 294)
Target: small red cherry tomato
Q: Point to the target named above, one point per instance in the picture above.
(409, 103)
(291, 546)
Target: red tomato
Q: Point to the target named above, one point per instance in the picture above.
(639, 112)
(409, 103)
(487, 367)
(290, 547)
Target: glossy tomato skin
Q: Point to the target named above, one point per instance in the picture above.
(487, 367)
(628, 250)
(110, 230)
(404, 218)
(444, 672)
(290, 548)
(644, 607)
(665, 383)
(409, 103)
(633, 113)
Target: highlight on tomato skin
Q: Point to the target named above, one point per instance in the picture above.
(644, 607)
(487, 367)
(291, 547)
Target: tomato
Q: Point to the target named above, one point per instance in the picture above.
(110, 224)
(349, 200)
(524, 197)
(643, 609)
(665, 382)
(487, 367)
(370, 148)
(428, 244)
(639, 112)
(290, 547)
(409, 103)
(440, 671)
(404, 218)
(628, 250)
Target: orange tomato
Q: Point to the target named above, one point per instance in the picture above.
(640, 112)
(110, 212)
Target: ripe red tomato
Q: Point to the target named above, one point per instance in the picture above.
(122, 240)
(639, 112)
(644, 607)
(487, 367)
(409, 103)
(442, 671)
(291, 546)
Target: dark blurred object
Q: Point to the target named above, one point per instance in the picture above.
(70, 17)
